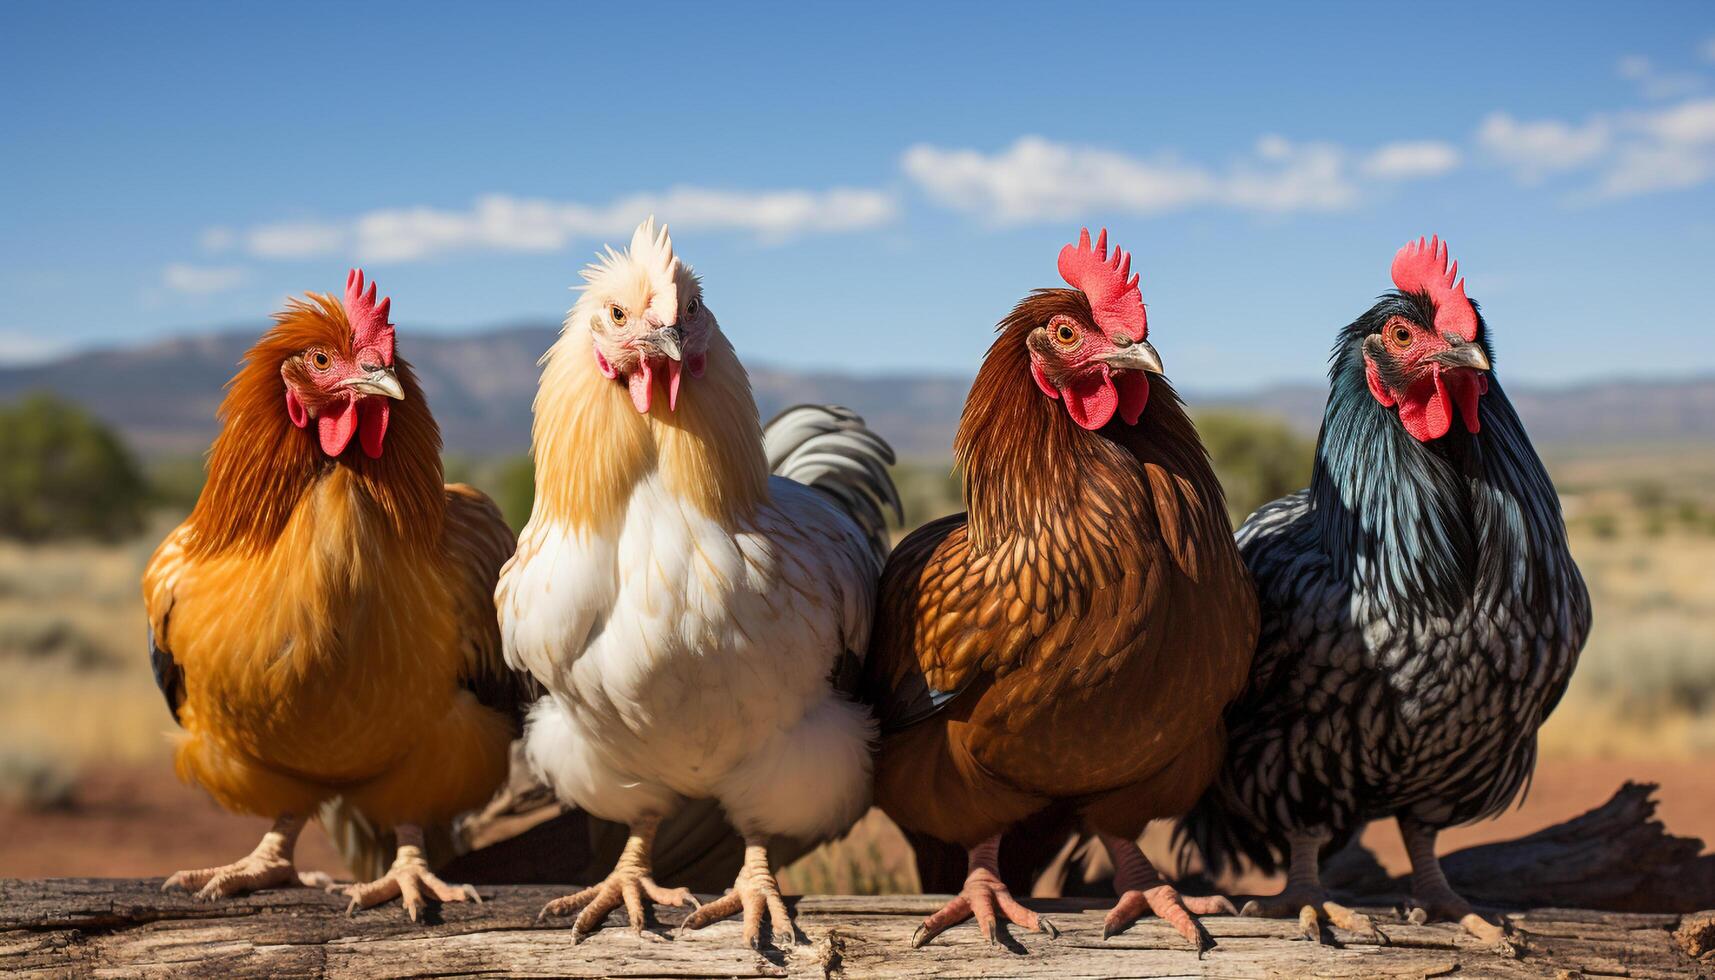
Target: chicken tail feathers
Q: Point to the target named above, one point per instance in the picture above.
(1222, 838)
(828, 448)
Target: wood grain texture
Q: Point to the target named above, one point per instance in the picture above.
(107, 927)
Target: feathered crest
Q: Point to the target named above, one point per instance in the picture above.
(651, 253)
(1114, 296)
(1422, 267)
(369, 324)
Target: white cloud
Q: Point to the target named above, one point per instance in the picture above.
(1535, 149)
(501, 222)
(1037, 179)
(294, 240)
(1624, 154)
(217, 239)
(1652, 82)
(1404, 161)
(23, 347)
(201, 280)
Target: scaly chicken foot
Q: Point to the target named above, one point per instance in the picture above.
(628, 884)
(409, 879)
(1141, 888)
(1435, 899)
(754, 891)
(268, 866)
(984, 897)
(1304, 897)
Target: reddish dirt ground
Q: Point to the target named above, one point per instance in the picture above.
(142, 822)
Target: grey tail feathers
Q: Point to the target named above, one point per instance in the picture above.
(1225, 841)
(830, 449)
(368, 850)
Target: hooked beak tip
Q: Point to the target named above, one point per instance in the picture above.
(381, 381)
(1467, 355)
(1139, 356)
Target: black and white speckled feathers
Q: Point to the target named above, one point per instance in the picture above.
(1421, 616)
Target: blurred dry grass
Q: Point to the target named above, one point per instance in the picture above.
(80, 697)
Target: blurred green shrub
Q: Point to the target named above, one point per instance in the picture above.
(63, 474)
(175, 482)
(514, 489)
(1257, 458)
(928, 490)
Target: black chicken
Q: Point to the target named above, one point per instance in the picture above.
(1421, 614)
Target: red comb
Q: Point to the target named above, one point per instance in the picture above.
(1114, 299)
(1421, 267)
(369, 326)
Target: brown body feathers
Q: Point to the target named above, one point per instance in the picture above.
(1078, 634)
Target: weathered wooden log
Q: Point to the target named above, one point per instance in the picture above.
(100, 927)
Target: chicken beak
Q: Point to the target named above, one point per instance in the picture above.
(1139, 355)
(1468, 355)
(381, 381)
(667, 340)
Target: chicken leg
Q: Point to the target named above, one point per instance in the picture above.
(982, 897)
(1306, 899)
(268, 866)
(1438, 902)
(408, 879)
(626, 885)
(1141, 887)
(754, 891)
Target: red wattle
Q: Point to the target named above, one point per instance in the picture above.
(372, 428)
(1091, 398)
(1134, 395)
(1467, 387)
(336, 427)
(642, 385)
(673, 369)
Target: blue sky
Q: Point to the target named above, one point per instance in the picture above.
(864, 188)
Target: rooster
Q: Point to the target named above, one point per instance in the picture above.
(1421, 612)
(696, 622)
(1073, 640)
(322, 626)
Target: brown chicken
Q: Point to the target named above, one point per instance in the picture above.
(323, 625)
(1073, 640)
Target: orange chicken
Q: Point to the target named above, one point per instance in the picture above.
(322, 626)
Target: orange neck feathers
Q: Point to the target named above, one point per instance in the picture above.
(261, 465)
(1026, 463)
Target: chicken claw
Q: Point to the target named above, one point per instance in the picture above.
(986, 898)
(1141, 888)
(627, 885)
(269, 866)
(1310, 906)
(1437, 901)
(408, 879)
(754, 891)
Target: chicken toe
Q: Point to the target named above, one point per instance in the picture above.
(985, 898)
(409, 879)
(754, 892)
(1142, 889)
(628, 884)
(1435, 899)
(268, 866)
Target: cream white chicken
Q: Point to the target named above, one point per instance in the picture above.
(697, 622)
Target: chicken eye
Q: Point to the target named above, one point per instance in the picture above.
(618, 316)
(1065, 335)
(692, 307)
(320, 360)
(1401, 335)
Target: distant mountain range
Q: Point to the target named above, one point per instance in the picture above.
(163, 396)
